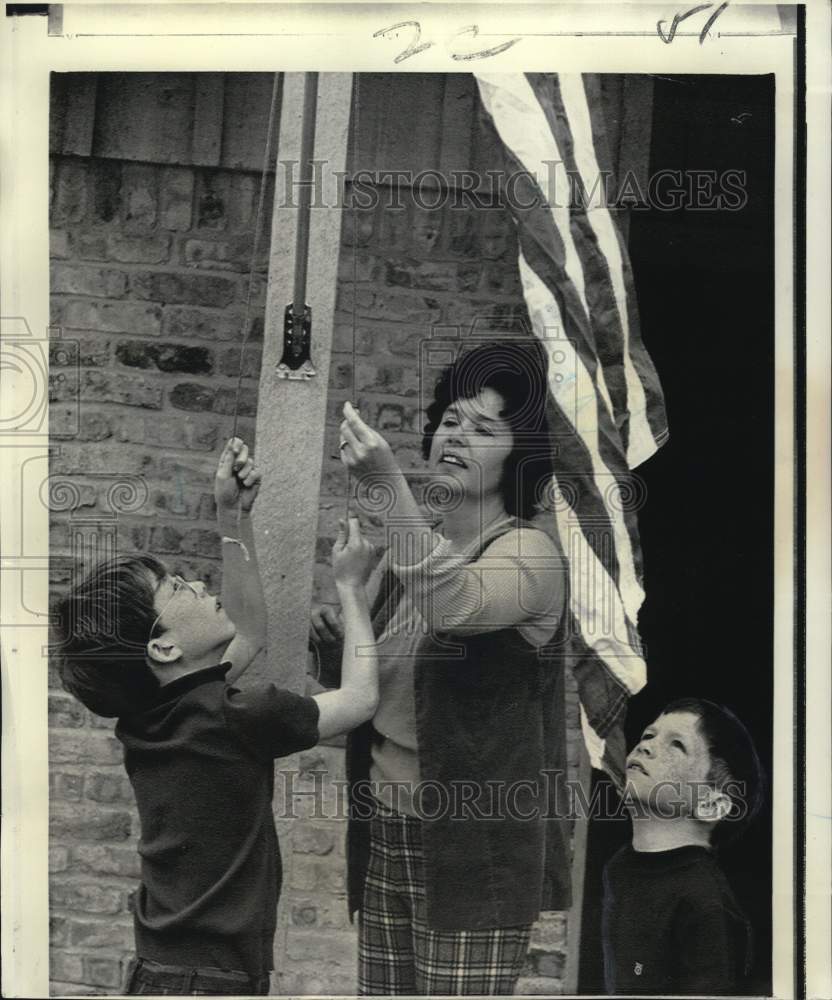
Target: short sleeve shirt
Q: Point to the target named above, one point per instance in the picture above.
(201, 763)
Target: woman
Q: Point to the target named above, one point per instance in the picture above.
(458, 856)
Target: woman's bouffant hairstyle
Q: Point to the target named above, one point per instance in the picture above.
(102, 628)
(517, 371)
(735, 766)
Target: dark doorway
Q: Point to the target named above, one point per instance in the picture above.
(705, 284)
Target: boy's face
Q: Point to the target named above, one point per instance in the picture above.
(667, 770)
(191, 618)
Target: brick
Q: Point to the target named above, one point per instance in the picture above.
(200, 542)
(83, 747)
(329, 914)
(90, 246)
(87, 352)
(174, 288)
(313, 840)
(109, 788)
(189, 396)
(426, 230)
(66, 422)
(104, 859)
(396, 224)
(536, 986)
(86, 897)
(390, 304)
(396, 379)
(101, 934)
(107, 187)
(129, 390)
(390, 417)
(58, 243)
(164, 538)
(438, 277)
(69, 820)
(65, 786)
(462, 233)
(340, 374)
(501, 280)
(202, 324)
(477, 318)
(241, 204)
(547, 963)
(549, 932)
(212, 195)
(139, 249)
(68, 968)
(139, 193)
(102, 971)
(58, 931)
(165, 357)
(70, 205)
(360, 228)
(316, 979)
(310, 873)
(136, 318)
(333, 948)
(66, 712)
(176, 198)
(226, 400)
(72, 279)
(229, 363)
(58, 858)
(230, 255)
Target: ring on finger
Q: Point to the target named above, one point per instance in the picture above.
(343, 445)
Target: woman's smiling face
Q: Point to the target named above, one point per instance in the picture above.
(472, 442)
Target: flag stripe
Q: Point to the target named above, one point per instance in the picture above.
(605, 409)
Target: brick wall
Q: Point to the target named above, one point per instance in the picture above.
(149, 275)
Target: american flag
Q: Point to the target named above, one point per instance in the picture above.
(606, 407)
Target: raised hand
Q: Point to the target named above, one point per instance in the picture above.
(362, 449)
(237, 480)
(352, 555)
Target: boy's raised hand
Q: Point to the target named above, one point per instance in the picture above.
(237, 480)
(352, 555)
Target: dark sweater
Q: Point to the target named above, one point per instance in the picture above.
(201, 762)
(671, 924)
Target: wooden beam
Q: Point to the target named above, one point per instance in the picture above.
(291, 414)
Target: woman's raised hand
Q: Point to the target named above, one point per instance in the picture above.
(364, 450)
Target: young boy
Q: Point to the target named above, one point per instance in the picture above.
(161, 654)
(671, 924)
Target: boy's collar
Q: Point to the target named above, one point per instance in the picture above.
(175, 689)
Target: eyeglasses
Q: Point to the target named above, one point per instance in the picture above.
(179, 584)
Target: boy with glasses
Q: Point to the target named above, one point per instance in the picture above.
(161, 654)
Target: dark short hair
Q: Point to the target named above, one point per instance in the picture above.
(735, 766)
(517, 371)
(102, 627)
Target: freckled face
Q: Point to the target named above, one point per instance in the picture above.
(669, 763)
(472, 442)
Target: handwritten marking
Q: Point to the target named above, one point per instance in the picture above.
(473, 30)
(709, 23)
(415, 45)
(678, 18)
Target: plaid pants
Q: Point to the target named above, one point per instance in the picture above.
(398, 953)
